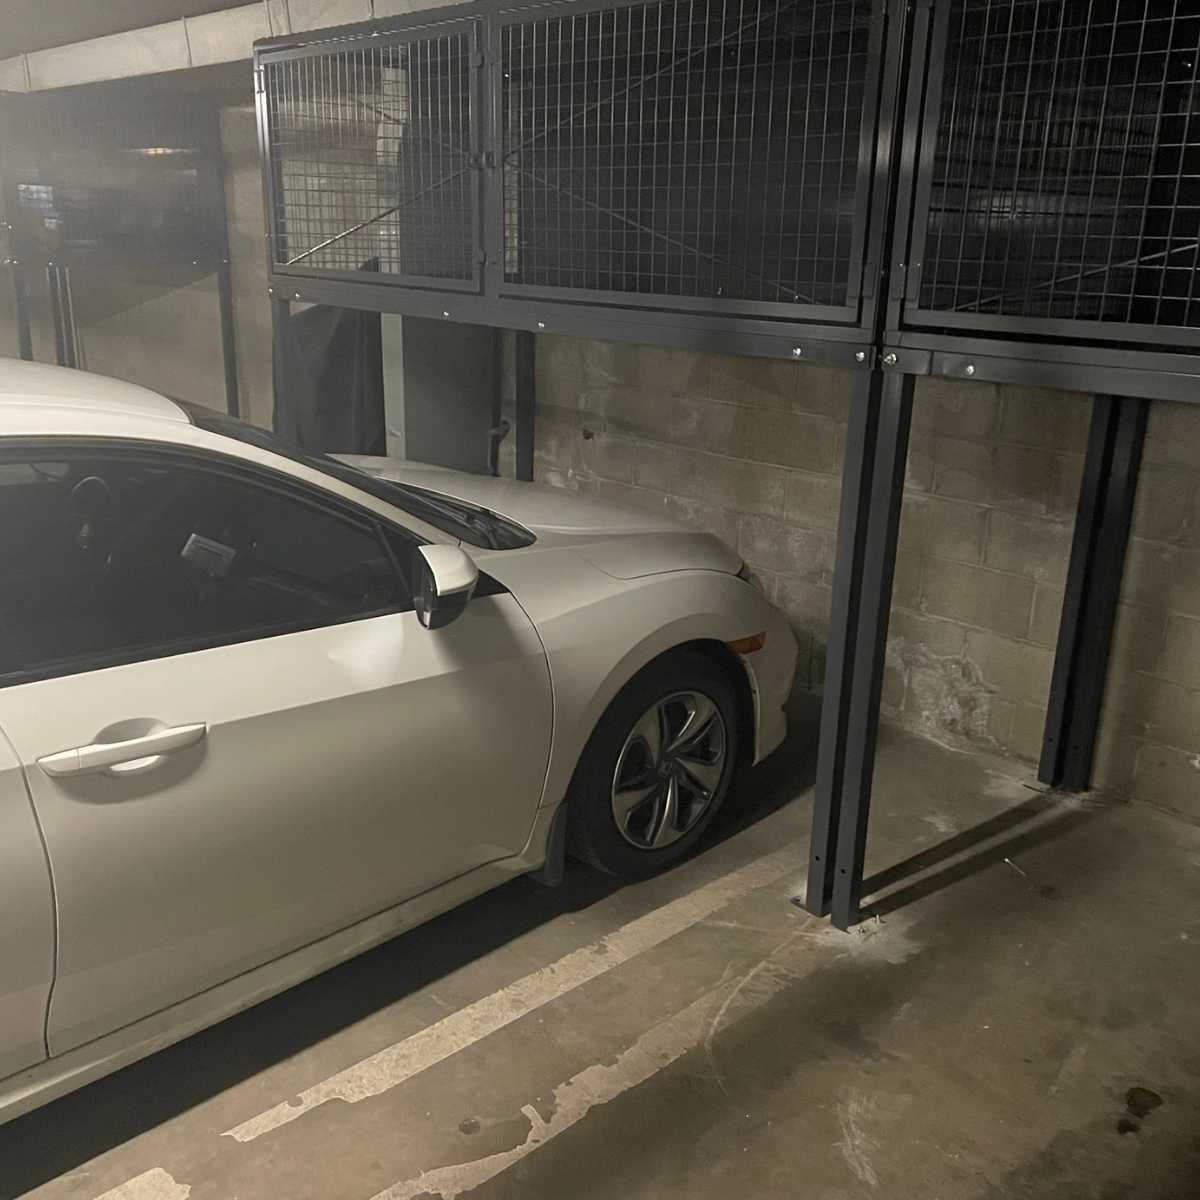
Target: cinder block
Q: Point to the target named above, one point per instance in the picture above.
(977, 596)
(704, 424)
(947, 528)
(919, 466)
(1020, 478)
(1137, 639)
(752, 382)
(657, 370)
(1172, 435)
(1014, 670)
(1064, 495)
(1116, 757)
(891, 696)
(1035, 546)
(953, 408)
(1028, 729)
(646, 499)
(558, 436)
(558, 377)
(906, 582)
(1181, 651)
(787, 439)
(946, 697)
(606, 457)
(807, 604)
(915, 636)
(629, 411)
(812, 500)
(1168, 777)
(1149, 572)
(745, 486)
(1184, 593)
(1047, 612)
(822, 391)
(1044, 417)
(719, 521)
(1000, 720)
(1155, 710)
(788, 549)
(654, 465)
(1165, 505)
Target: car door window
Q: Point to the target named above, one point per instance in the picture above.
(114, 557)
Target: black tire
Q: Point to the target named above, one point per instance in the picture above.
(593, 834)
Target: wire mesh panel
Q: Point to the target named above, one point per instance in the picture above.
(373, 158)
(1065, 185)
(705, 151)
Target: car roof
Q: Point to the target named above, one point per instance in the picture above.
(28, 385)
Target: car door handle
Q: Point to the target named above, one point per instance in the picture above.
(99, 755)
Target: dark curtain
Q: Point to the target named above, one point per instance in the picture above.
(328, 375)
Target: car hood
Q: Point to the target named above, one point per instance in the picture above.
(624, 542)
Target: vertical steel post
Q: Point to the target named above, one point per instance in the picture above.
(1102, 522)
(62, 311)
(228, 335)
(280, 312)
(842, 642)
(868, 529)
(21, 305)
(525, 351)
(874, 610)
(224, 270)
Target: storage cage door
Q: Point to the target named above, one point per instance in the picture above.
(372, 150)
(1058, 192)
(690, 155)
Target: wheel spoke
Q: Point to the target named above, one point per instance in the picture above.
(627, 801)
(650, 730)
(701, 777)
(702, 712)
(667, 828)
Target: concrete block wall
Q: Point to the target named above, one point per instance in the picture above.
(751, 450)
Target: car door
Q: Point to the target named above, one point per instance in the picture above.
(27, 930)
(237, 736)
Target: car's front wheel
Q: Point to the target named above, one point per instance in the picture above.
(657, 768)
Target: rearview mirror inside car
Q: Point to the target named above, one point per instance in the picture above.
(444, 579)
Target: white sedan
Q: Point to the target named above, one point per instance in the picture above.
(262, 709)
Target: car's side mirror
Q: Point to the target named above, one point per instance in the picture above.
(444, 579)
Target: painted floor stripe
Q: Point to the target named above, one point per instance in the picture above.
(653, 1052)
(155, 1184)
(391, 1066)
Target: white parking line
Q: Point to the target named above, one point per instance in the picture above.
(155, 1184)
(653, 1052)
(402, 1060)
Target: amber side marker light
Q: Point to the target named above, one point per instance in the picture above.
(748, 645)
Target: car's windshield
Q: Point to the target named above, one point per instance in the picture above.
(468, 522)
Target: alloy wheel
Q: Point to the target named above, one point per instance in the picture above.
(669, 770)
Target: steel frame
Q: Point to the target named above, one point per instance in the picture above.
(889, 342)
(1106, 496)
(829, 335)
(21, 309)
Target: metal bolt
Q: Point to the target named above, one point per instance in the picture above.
(295, 295)
(797, 351)
(890, 360)
(969, 369)
(541, 324)
(270, 291)
(445, 312)
(860, 356)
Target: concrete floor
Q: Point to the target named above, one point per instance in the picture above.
(705, 1038)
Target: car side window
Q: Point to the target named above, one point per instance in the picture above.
(123, 556)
